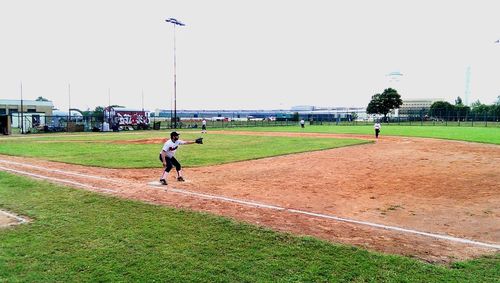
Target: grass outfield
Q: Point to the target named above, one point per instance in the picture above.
(478, 134)
(82, 236)
(99, 149)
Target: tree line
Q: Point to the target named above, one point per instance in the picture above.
(383, 103)
(444, 109)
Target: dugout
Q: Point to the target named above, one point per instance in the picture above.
(5, 125)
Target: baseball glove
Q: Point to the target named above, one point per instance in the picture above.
(199, 140)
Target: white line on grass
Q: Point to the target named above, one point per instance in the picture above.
(54, 170)
(57, 180)
(261, 205)
(18, 218)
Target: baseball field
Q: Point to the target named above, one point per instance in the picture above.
(324, 203)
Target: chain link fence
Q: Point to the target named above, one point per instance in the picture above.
(47, 124)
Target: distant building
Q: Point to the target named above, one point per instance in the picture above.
(415, 106)
(33, 112)
(9, 106)
(302, 112)
(303, 108)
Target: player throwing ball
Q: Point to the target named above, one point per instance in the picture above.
(167, 156)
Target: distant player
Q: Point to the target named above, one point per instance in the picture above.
(204, 126)
(167, 156)
(302, 123)
(377, 129)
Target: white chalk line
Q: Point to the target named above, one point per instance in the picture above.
(332, 217)
(58, 180)
(261, 205)
(244, 202)
(399, 229)
(54, 170)
(18, 218)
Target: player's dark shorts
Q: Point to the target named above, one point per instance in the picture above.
(204, 127)
(171, 162)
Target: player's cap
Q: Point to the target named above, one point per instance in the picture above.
(174, 134)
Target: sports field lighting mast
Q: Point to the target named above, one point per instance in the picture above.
(22, 118)
(175, 23)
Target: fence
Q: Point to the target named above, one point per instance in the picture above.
(34, 124)
(449, 117)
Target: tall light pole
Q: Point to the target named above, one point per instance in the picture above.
(69, 107)
(22, 118)
(175, 23)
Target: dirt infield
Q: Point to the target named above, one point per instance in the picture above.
(435, 186)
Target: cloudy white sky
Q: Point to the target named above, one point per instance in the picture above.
(247, 54)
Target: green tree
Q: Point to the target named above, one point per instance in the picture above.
(98, 111)
(442, 109)
(460, 109)
(478, 108)
(495, 111)
(41, 98)
(475, 104)
(458, 101)
(354, 116)
(383, 103)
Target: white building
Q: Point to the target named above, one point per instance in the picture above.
(412, 106)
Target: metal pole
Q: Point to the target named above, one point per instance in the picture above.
(22, 118)
(69, 107)
(175, 87)
(174, 22)
(143, 103)
(110, 121)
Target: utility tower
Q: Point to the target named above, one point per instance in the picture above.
(467, 86)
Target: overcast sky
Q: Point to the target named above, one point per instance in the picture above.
(247, 54)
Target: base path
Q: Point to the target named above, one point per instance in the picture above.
(439, 187)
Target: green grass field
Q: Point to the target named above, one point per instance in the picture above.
(478, 134)
(79, 236)
(99, 149)
(83, 236)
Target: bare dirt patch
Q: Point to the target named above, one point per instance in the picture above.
(442, 187)
(7, 219)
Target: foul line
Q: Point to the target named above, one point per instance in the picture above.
(57, 180)
(244, 202)
(18, 218)
(261, 205)
(332, 217)
(54, 170)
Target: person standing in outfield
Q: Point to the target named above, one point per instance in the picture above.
(167, 156)
(204, 126)
(302, 123)
(377, 129)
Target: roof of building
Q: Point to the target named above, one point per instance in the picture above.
(25, 102)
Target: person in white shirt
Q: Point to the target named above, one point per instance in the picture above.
(302, 123)
(204, 126)
(377, 129)
(167, 157)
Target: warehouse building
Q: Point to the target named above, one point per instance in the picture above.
(31, 114)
